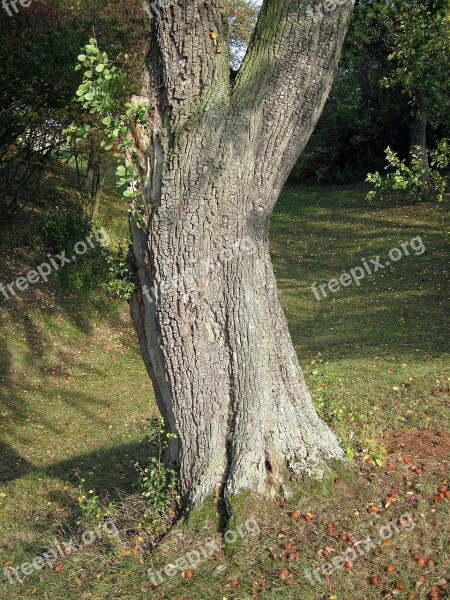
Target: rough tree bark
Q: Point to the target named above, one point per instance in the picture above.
(215, 155)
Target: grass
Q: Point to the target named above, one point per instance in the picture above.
(76, 403)
(378, 349)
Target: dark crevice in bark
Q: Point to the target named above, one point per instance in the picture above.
(233, 75)
(222, 505)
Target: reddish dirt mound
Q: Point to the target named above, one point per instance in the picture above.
(423, 445)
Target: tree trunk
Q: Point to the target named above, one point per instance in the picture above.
(214, 158)
(418, 138)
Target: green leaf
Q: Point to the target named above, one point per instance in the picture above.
(106, 121)
(121, 171)
(82, 57)
(99, 68)
(90, 49)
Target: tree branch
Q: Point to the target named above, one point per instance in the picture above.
(285, 80)
(188, 59)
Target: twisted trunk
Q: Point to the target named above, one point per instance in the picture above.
(214, 157)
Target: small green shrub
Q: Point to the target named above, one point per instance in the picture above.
(91, 510)
(158, 482)
(158, 485)
(63, 228)
(111, 119)
(413, 180)
(121, 281)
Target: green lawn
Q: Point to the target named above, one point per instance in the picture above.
(76, 402)
(382, 344)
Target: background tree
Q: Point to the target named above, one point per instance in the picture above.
(420, 42)
(243, 15)
(213, 159)
(391, 47)
(36, 105)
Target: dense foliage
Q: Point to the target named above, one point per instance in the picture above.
(394, 70)
(37, 49)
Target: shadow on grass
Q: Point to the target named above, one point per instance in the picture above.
(317, 235)
(12, 465)
(36, 325)
(104, 470)
(107, 469)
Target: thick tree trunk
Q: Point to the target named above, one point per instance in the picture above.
(219, 351)
(214, 157)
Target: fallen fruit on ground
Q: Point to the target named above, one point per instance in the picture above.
(422, 561)
(390, 569)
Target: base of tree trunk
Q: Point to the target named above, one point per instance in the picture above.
(226, 376)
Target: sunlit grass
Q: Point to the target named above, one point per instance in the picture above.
(76, 402)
